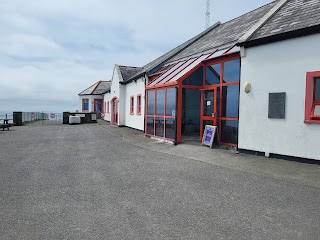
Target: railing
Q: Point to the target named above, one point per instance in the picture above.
(7, 116)
(33, 116)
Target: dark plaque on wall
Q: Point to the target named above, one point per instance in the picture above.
(277, 105)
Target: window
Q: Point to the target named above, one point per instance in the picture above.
(139, 104)
(312, 101)
(132, 105)
(85, 104)
(108, 108)
(161, 113)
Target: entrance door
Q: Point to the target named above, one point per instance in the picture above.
(114, 112)
(210, 108)
(98, 105)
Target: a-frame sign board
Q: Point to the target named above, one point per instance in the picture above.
(209, 134)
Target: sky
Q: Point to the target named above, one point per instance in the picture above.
(52, 50)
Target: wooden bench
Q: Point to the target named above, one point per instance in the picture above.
(5, 124)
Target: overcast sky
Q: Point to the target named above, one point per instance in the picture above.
(51, 50)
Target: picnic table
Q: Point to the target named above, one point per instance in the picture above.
(5, 124)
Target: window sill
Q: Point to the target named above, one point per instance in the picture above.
(139, 114)
(312, 121)
(131, 113)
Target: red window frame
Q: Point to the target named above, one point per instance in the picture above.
(155, 116)
(139, 104)
(83, 102)
(310, 100)
(131, 105)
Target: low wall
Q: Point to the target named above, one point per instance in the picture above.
(85, 117)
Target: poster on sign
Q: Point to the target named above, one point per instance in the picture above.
(32, 115)
(208, 135)
(52, 115)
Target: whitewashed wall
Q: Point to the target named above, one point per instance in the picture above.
(106, 100)
(91, 101)
(116, 91)
(279, 67)
(133, 89)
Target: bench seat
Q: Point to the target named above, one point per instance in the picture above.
(3, 126)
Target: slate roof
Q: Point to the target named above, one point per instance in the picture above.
(292, 16)
(226, 33)
(97, 89)
(127, 72)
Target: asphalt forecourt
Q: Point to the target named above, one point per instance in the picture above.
(93, 182)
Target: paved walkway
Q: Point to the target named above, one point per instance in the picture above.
(297, 172)
(97, 181)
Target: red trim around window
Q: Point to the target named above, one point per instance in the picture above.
(310, 101)
(83, 102)
(131, 105)
(139, 104)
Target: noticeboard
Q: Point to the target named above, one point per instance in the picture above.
(208, 135)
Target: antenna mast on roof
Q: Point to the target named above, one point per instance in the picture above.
(208, 15)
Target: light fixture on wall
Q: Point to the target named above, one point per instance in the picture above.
(247, 87)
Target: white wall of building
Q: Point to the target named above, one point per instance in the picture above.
(117, 90)
(91, 101)
(133, 89)
(106, 100)
(279, 67)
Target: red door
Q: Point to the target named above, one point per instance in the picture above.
(210, 108)
(115, 112)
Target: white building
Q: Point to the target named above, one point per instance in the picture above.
(264, 97)
(281, 61)
(91, 99)
(125, 100)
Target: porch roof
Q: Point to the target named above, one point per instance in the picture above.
(174, 72)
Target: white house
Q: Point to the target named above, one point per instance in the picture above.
(125, 100)
(281, 61)
(91, 99)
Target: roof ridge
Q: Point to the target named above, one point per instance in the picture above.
(251, 11)
(129, 66)
(88, 87)
(263, 20)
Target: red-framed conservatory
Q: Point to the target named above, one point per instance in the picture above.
(186, 95)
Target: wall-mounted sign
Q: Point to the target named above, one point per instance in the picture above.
(208, 135)
(208, 103)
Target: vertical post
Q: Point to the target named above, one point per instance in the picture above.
(65, 117)
(17, 118)
(179, 114)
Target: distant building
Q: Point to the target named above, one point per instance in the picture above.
(91, 99)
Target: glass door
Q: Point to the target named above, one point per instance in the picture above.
(210, 108)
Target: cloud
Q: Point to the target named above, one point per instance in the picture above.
(52, 50)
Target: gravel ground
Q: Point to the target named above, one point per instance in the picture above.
(85, 182)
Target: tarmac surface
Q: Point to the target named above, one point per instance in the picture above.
(97, 181)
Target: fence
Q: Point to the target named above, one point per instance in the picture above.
(52, 118)
(33, 116)
(7, 116)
